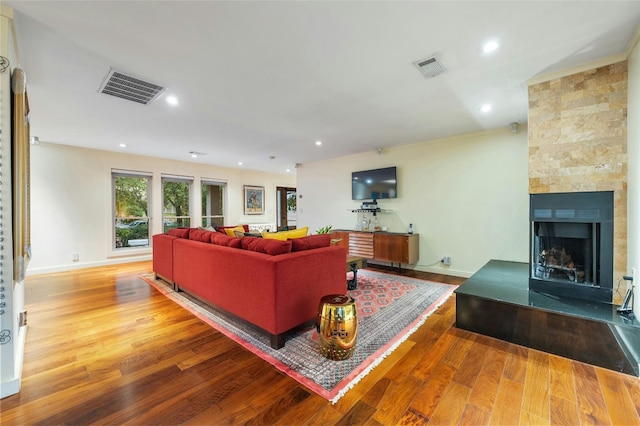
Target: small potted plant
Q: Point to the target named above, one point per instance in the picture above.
(324, 230)
(327, 230)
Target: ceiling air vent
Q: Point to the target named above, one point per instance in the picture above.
(131, 88)
(429, 67)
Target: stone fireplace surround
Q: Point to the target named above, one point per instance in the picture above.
(577, 134)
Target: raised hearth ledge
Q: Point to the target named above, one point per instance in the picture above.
(496, 301)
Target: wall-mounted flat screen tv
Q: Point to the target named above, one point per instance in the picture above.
(374, 184)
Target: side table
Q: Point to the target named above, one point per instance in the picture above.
(353, 264)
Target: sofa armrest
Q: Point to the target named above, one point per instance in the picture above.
(278, 293)
(163, 256)
(303, 278)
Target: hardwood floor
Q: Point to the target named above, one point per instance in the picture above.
(103, 347)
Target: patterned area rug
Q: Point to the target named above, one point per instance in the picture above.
(390, 308)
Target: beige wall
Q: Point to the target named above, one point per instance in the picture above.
(466, 196)
(72, 211)
(578, 141)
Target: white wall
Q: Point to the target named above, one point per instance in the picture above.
(633, 177)
(467, 197)
(71, 202)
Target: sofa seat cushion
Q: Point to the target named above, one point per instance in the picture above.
(179, 232)
(266, 246)
(225, 240)
(286, 235)
(310, 242)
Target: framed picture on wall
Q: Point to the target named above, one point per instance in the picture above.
(253, 199)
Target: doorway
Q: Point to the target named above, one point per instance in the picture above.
(286, 208)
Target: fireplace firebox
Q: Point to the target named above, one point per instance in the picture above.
(571, 251)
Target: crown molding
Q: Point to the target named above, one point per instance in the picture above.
(633, 42)
(579, 68)
(6, 11)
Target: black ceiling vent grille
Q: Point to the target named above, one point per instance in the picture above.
(430, 67)
(125, 86)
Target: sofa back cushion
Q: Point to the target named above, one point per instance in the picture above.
(286, 235)
(225, 240)
(199, 235)
(311, 242)
(266, 246)
(179, 232)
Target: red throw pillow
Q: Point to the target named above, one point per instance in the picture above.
(310, 242)
(198, 235)
(179, 232)
(225, 240)
(261, 245)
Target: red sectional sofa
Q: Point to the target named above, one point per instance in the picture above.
(274, 285)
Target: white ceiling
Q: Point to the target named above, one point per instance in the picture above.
(269, 78)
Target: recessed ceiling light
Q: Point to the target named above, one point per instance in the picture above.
(239, 163)
(172, 100)
(288, 170)
(486, 108)
(123, 145)
(318, 143)
(489, 47)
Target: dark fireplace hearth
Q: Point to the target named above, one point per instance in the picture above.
(497, 301)
(571, 250)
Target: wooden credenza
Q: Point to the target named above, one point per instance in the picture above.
(385, 246)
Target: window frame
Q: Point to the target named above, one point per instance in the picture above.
(116, 173)
(223, 185)
(167, 178)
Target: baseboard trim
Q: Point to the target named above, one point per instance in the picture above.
(83, 265)
(423, 268)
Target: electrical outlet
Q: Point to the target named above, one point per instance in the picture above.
(446, 260)
(75, 257)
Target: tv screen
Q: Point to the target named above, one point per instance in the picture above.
(374, 184)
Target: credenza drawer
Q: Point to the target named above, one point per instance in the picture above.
(361, 244)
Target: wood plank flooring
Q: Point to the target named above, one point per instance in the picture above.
(103, 347)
